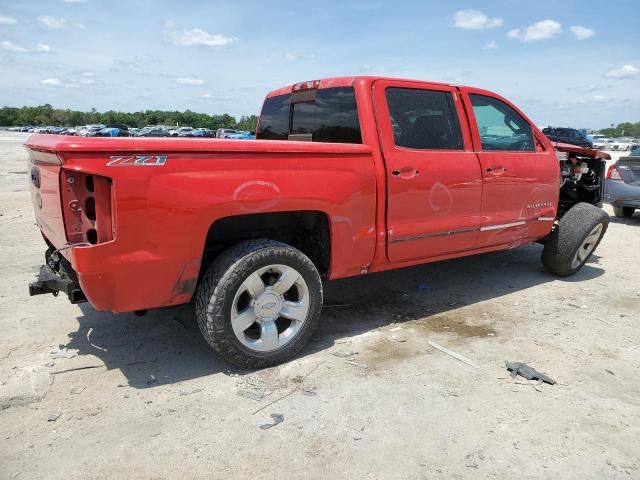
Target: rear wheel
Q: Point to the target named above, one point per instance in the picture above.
(259, 303)
(574, 239)
(623, 212)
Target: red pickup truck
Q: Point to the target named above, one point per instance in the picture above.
(346, 176)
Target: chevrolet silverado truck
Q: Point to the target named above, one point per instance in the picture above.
(347, 176)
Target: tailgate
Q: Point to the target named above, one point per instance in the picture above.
(629, 168)
(44, 168)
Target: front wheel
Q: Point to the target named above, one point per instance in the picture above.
(574, 239)
(259, 303)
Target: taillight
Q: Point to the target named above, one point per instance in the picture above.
(311, 85)
(86, 207)
(613, 173)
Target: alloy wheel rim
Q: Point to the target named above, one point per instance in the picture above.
(587, 246)
(270, 307)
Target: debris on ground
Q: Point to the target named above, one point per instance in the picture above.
(277, 419)
(356, 364)
(78, 390)
(63, 352)
(252, 394)
(58, 372)
(53, 417)
(609, 372)
(455, 355)
(344, 354)
(93, 344)
(524, 370)
(292, 391)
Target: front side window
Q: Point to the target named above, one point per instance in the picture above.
(424, 119)
(500, 126)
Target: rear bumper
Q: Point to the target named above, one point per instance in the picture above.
(621, 194)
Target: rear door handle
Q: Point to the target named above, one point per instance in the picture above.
(405, 173)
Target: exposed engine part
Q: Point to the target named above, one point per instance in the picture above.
(581, 182)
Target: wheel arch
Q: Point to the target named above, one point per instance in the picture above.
(307, 230)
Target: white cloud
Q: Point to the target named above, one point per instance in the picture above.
(54, 82)
(87, 81)
(189, 81)
(289, 56)
(88, 74)
(80, 25)
(75, 1)
(198, 37)
(475, 20)
(12, 47)
(169, 23)
(582, 33)
(490, 45)
(627, 71)
(206, 95)
(6, 20)
(52, 22)
(542, 30)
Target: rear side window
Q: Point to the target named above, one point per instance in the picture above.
(325, 115)
(500, 126)
(424, 119)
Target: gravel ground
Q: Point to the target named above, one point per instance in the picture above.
(370, 397)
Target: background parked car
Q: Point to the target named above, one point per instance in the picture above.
(567, 135)
(622, 144)
(225, 132)
(243, 135)
(152, 132)
(622, 186)
(112, 131)
(602, 143)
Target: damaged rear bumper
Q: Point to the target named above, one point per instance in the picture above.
(50, 281)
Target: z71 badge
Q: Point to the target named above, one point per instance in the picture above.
(137, 160)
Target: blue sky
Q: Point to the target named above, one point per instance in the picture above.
(563, 62)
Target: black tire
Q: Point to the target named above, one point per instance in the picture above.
(623, 212)
(218, 287)
(569, 235)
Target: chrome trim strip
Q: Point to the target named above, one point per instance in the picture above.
(546, 219)
(432, 235)
(504, 225)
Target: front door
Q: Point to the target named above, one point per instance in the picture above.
(434, 182)
(520, 176)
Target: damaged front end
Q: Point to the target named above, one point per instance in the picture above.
(55, 276)
(582, 176)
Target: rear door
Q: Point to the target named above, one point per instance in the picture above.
(519, 174)
(434, 183)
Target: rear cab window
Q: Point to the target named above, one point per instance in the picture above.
(501, 128)
(323, 115)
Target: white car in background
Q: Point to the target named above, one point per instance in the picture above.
(622, 144)
(602, 143)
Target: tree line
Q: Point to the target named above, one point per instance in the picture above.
(47, 115)
(626, 129)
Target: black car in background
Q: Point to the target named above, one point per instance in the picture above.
(567, 135)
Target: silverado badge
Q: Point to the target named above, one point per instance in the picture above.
(136, 160)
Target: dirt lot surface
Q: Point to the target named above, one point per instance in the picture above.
(370, 397)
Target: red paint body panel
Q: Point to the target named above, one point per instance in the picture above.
(160, 214)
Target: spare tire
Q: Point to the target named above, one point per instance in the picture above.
(574, 239)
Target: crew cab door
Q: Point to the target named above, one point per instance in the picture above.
(520, 175)
(434, 183)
